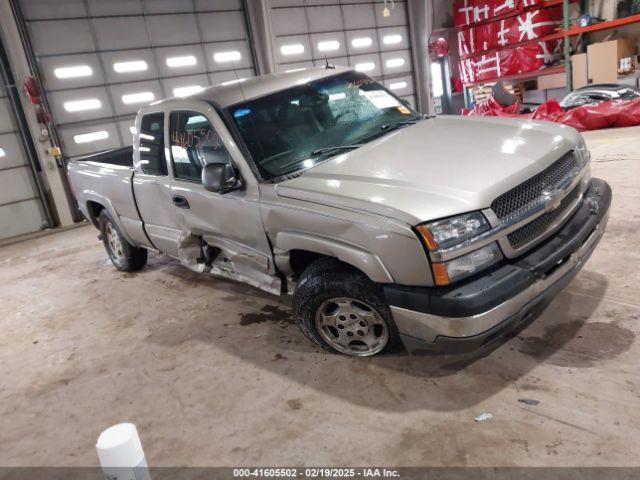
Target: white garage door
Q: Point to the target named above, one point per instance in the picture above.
(347, 32)
(20, 206)
(101, 60)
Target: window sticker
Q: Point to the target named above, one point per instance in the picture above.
(381, 99)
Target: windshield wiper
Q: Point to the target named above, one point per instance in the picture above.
(387, 126)
(320, 151)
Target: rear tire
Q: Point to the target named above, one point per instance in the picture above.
(124, 256)
(343, 311)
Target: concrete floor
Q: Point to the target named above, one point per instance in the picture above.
(215, 373)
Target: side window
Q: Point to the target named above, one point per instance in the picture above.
(152, 161)
(194, 143)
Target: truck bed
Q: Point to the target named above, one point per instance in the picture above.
(104, 180)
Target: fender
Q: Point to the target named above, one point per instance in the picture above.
(364, 261)
(91, 196)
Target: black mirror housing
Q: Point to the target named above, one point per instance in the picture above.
(220, 177)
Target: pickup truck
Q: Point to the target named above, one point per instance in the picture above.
(388, 227)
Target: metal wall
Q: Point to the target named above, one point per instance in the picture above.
(101, 60)
(21, 210)
(347, 32)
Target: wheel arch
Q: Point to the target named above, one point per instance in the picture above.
(294, 251)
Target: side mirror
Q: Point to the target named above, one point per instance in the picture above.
(220, 177)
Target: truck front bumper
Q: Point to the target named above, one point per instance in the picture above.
(477, 312)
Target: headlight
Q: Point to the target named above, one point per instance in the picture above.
(447, 233)
(447, 272)
(582, 153)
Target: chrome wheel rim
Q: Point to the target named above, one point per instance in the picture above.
(352, 327)
(114, 243)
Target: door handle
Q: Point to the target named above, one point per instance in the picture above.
(179, 201)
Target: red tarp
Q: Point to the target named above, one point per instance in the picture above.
(613, 113)
(470, 12)
(509, 61)
(502, 33)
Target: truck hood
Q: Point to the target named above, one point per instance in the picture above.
(436, 168)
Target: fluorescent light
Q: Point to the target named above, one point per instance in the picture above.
(133, 66)
(186, 91)
(292, 49)
(394, 62)
(79, 105)
(231, 82)
(230, 56)
(177, 62)
(398, 85)
(138, 97)
(392, 39)
(361, 42)
(91, 136)
(72, 72)
(328, 45)
(337, 96)
(365, 66)
(2, 152)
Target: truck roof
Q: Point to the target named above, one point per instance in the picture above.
(235, 91)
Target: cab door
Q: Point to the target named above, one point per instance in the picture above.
(152, 185)
(229, 223)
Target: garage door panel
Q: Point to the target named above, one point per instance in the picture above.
(369, 64)
(397, 15)
(325, 19)
(217, 78)
(48, 9)
(289, 21)
(172, 29)
(65, 104)
(285, 52)
(12, 154)
(359, 16)
(121, 33)
(183, 56)
(114, 7)
(166, 6)
(402, 85)
(64, 66)
(222, 26)
(74, 146)
(119, 66)
(211, 49)
(287, 3)
(20, 218)
(146, 92)
(71, 36)
(6, 117)
(396, 62)
(393, 38)
(170, 84)
(362, 41)
(205, 5)
(17, 185)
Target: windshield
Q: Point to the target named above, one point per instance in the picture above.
(296, 128)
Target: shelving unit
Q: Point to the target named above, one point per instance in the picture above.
(566, 32)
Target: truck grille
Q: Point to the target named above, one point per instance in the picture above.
(532, 230)
(529, 191)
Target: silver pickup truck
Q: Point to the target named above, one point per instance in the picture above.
(387, 226)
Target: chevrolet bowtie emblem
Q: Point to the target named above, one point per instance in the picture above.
(551, 199)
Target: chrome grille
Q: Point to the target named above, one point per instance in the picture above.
(532, 230)
(529, 191)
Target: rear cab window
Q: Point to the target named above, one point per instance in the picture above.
(151, 145)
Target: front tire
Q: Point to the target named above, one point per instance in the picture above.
(340, 309)
(124, 256)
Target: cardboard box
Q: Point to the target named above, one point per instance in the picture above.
(579, 70)
(603, 59)
(554, 80)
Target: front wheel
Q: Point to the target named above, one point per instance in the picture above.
(341, 310)
(123, 255)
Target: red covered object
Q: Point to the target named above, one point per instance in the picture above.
(509, 31)
(509, 61)
(471, 12)
(613, 113)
